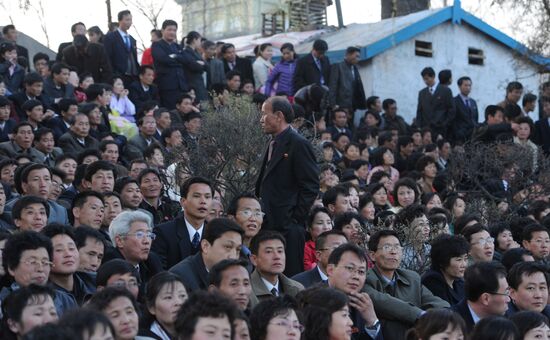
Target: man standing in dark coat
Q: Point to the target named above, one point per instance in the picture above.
(313, 68)
(88, 57)
(435, 103)
(288, 182)
(168, 58)
(466, 117)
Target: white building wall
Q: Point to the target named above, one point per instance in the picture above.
(396, 72)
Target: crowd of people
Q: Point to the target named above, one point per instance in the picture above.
(358, 233)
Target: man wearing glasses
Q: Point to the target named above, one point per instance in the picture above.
(536, 240)
(132, 235)
(487, 293)
(482, 245)
(386, 277)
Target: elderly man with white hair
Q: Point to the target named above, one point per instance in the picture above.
(132, 234)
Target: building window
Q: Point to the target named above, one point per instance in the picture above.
(423, 48)
(475, 56)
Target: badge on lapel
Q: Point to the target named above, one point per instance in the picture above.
(285, 155)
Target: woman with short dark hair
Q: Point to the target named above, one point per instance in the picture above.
(276, 319)
(438, 324)
(449, 255)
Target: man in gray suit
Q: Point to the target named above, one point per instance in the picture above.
(387, 278)
(346, 86)
(22, 143)
(136, 145)
(44, 142)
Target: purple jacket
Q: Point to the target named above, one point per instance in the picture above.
(282, 74)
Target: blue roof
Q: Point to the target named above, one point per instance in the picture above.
(398, 30)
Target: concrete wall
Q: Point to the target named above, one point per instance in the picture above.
(225, 18)
(396, 73)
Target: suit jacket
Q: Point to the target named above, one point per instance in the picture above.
(56, 152)
(53, 93)
(13, 82)
(8, 128)
(513, 309)
(407, 288)
(139, 96)
(194, 72)
(289, 183)
(172, 243)
(136, 146)
(308, 278)
(243, 65)
(19, 98)
(334, 132)
(462, 309)
(542, 135)
(286, 286)
(147, 268)
(435, 282)
(68, 143)
(118, 54)
(94, 60)
(58, 126)
(345, 90)
(486, 133)
(13, 150)
(216, 72)
(435, 111)
(465, 120)
(62, 46)
(192, 271)
(169, 71)
(308, 73)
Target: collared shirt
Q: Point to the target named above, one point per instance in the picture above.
(124, 36)
(323, 276)
(270, 286)
(465, 99)
(474, 315)
(433, 88)
(191, 230)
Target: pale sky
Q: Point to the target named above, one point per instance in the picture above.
(61, 14)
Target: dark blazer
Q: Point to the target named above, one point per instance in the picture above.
(435, 282)
(513, 309)
(11, 149)
(69, 143)
(462, 309)
(542, 135)
(13, 82)
(169, 71)
(172, 243)
(308, 278)
(465, 120)
(243, 65)
(58, 127)
(308, 73)
(138, 96)
(52, 157)
(286, 286)
(62, 46)
(288, 184)
(345, 90)
(147, 268)
(53, 93)
(486, 133)
(118, 53)
(334, 132)
(19, 98)
(94, 60)
(435, 111)
(8, 128)
(192, 271)
(194, 72)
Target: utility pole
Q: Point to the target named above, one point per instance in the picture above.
(109, 15)
(339, 14)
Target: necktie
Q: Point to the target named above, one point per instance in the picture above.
(270, 150)
(127, 42)
(431, 90)
(318, 63)
(196, 240)
(274, 291)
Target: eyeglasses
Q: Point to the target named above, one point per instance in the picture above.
(506, 293)
(141, 234)
(289, 325)
(352, 270)
(124, 284)
(36, 264)
(482, 242)
(391, 247)
(248, 213)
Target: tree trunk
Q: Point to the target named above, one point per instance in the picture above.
(397, 8)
